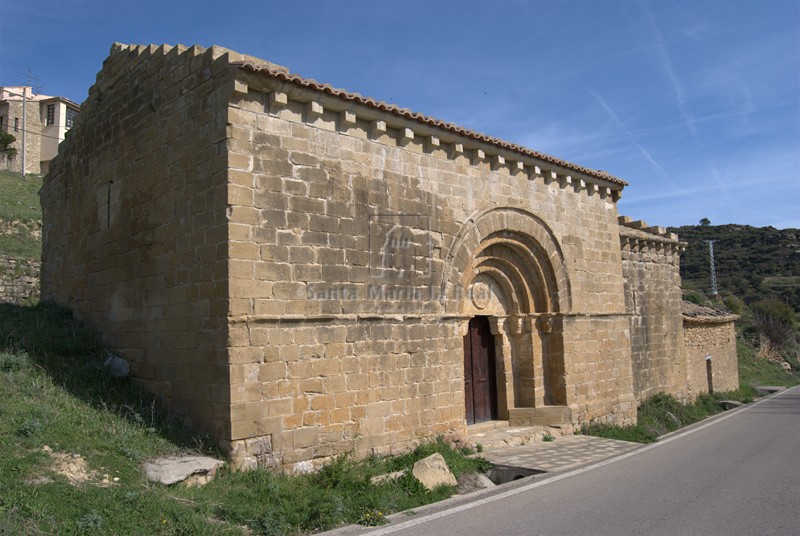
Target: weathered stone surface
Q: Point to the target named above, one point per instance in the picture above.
(116, 366)
(194, 470)
(433, 472)
(730, 404)
(713, 336)
(473, 482)
(653, 300)
(19, 278)
(380, 479)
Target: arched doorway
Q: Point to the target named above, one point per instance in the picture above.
(513, 276)
(480, 376)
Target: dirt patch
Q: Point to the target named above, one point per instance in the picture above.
(74, 468)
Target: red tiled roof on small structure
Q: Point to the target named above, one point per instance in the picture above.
(283, 74)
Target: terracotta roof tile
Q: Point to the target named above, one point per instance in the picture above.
(310, 83)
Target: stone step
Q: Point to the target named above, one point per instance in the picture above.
(487, 425)
(541, 416)
(500, 437)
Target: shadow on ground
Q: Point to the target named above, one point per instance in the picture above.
(73, 356)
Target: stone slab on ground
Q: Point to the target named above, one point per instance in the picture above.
(567, 452)
(433, 471)
(194, 470)
(769, 389)
(380, 479)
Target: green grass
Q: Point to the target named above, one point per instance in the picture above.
(20, 199)
(341, 492)
(20, 215)
(663, 413)
(754, 370)
(55, 392)
(18, 241)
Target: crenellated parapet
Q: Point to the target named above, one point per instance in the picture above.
(296, 99)
(645, 243)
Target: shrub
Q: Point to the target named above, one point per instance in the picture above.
(775, 319)
(734, 304)
(660, 414)
(694, 297)
(774, 308)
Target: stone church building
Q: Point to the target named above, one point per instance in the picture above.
(304, 271)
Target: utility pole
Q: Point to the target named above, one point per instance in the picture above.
(714, 291)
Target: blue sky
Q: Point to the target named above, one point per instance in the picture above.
(696, 103)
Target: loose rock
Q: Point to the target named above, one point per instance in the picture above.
(117, 367)
(473, 482)
(194, 470)
(433, 471)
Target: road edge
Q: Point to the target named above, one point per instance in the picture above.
(461, 503)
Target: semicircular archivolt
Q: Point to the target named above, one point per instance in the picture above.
(518, 245)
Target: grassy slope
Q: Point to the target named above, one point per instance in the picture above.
(754, 370)
(55, 392)
(20, 215)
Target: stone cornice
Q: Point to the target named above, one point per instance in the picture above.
(436, 137)
(399, 131)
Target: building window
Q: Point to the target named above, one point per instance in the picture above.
(16, 124)
(72, 113)
(2, 123)
(51, 114)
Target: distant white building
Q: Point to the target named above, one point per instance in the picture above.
(43, 125)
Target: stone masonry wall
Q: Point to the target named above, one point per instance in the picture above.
(717, 339)
(135, 225)
(598, 351)
(19, 280)
(33, 139)
(650, 264)
(345, 227)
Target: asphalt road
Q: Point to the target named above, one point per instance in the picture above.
(738, 474)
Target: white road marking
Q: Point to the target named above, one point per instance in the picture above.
(678, 434)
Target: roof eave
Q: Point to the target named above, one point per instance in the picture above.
(405, 113)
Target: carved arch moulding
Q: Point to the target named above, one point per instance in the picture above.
(517, 250)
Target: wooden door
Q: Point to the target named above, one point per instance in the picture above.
(480, 381)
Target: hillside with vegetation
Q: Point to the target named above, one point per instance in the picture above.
(758, 278)
(752, 263)
(20, 215)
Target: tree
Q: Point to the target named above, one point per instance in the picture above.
(6, 140)
(705, 222)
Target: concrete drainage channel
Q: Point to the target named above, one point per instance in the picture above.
(502, 474)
